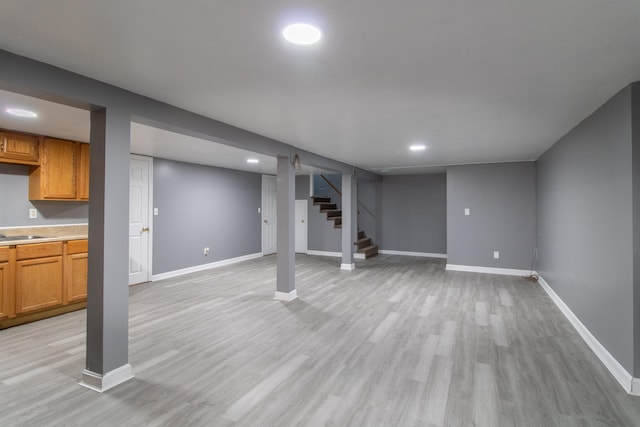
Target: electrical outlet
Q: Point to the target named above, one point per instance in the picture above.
(206, 251)
(467, 211)
(496, 254)
(33, 213)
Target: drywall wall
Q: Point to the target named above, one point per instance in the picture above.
(15, 203)
(322, 189)
(585, 240)
(302, 187)
(201, 206)
(370, 208)
(635, 148)
(413, 213)
(501, 198)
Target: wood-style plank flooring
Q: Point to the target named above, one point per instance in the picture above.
(397, 342)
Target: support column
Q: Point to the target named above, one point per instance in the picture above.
(107, 363)
(286, 275)
(349, 220)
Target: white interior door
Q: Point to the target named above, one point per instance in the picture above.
(140, 172)
(269, 215)
(301, 226)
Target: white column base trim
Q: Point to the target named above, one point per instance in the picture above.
(333, 254)
(102, 383)
(488, 270)
(196, 268)
(351, 266)
(405, 253)
(283, 296)
(629, 384)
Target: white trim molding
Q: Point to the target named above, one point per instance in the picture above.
(332, 254)
(284, 296)
(629, 384)
(488, 270)
(101, 383)
(196, 268)
(351, 266)
(406, 253)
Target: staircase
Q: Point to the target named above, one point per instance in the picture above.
(365, 244)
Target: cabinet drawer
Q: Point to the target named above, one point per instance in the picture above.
(77, 246)
(4, 254)
(38, 250)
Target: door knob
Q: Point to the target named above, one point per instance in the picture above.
(144, 229)
(302, 220)
(265, 221)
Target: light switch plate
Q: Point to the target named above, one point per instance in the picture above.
(155, 211)
(496, 254)
(33, 213)
(467, 211)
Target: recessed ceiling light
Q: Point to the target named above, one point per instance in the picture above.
(21, 113)
(253, 161)
(418, 147)
(302, 34)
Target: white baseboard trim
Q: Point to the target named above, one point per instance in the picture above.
(635, 387)
(101, 383)
(284, 296)
(629, 384)
(333, 254)
(406, 253)
(488, 270)
(351, 266)
(196, 268)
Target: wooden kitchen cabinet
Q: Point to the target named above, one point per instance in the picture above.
(83, 171)
(19, 148)
(75, 270)
(38, 282)
(56, 177)
(6, 281)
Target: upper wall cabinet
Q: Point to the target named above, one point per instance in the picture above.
(63, 172)
(19, 148)
(83, 171)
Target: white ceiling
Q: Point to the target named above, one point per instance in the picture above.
(66, 122)
(476, 81)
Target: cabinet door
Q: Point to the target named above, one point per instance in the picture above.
(83, 171)
(75, 272)
(38, 284)
(59, 172)
(4, 289)
(19, 148)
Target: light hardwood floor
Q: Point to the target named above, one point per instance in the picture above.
(397, 342)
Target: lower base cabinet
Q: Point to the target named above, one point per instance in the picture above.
(42, 280)
(38, 284)
(4, 289)
(76, 265)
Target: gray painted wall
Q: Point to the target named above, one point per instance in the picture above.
(635, 142)
(502, 202)
(302, 187)
(322, 189)
(370, 208)
(202, 206)
(585, 224)
(414, 213)
(15, 203)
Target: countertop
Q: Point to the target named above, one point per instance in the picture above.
(57, 233)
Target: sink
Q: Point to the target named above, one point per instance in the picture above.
(25, 237)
